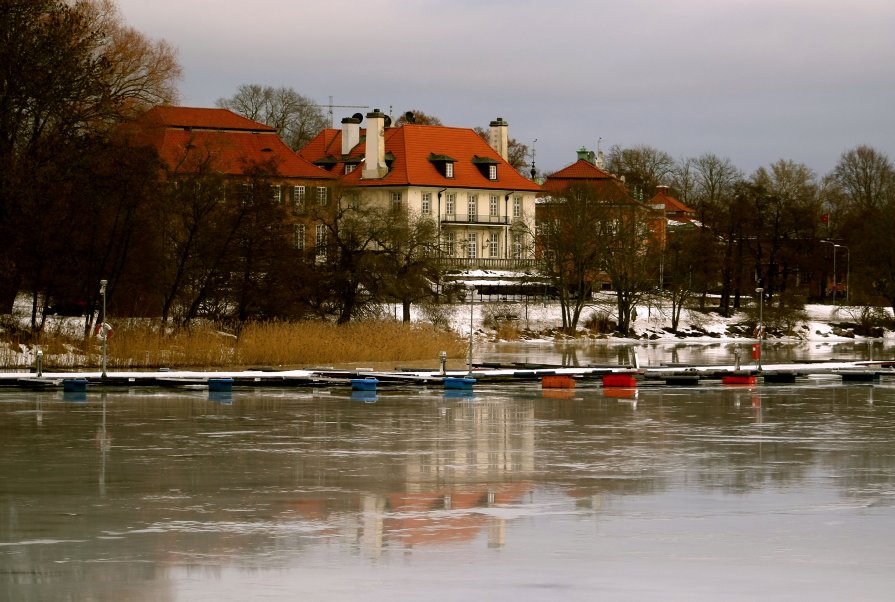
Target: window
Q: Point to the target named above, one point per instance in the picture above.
(276, 193)
(517, 206)
(492, 172)
(298, 239)
(494, 205)
(449, 244)
(426, 203)
(517, 246)
(449, 203)
(320, 241)
(492, 244)
(449, 170)
(322, 195)
(298, 199)
(349, 167)
(470, 247)
(396, 200)
(472, 207)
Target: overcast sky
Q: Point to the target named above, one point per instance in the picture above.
(751, 80)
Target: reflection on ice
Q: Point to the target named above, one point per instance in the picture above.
(509, 478)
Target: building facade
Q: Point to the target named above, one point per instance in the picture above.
(484, 209)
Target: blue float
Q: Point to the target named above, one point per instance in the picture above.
(458, 382)
(220, 384)
(74, 385)
(364, 384)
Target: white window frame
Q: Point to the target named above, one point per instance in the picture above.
(493, 244)
(298, 237)
(322, 195)
(349, 167)
(298, 199)
(450, 203)
(517, 206)
(320, 241)
(426, 203)
(449, 169)
(396, 199)
(471, 245)
(494, 205)
(276, 193)
(517, 246)
(450, 244)
(472, 207)
(492, 171)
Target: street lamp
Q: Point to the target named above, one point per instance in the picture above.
(847, 270)
(102, 291)
(835, 246)
(760, 292)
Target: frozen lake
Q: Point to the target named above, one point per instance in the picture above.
(512, 493)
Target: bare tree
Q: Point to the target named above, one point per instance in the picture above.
(643, 167)
(409, 245)
(417, 117)
(142, 73)
(297, 118)
(69, 72)
(568, 252)
(866, 177)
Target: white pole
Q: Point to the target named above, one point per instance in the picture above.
(471, 304)
(760, 292)
(102, 326)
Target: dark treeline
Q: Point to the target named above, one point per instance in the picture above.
(776, 229)
(79, 203)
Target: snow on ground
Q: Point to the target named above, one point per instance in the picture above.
(542, 320)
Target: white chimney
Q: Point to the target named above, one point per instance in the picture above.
(600, 159)
(350, 134)
(374, 159)
(499, 137)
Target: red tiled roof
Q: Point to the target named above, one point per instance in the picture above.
(580, 170)
(199, 118)
(411, 147)
(188, 139)
(672, 205)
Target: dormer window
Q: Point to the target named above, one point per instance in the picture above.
(444, 164)
(486, 166)
(327, 162)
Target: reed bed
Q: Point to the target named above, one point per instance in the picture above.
(142, 345)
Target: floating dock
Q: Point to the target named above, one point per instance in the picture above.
(549, 376)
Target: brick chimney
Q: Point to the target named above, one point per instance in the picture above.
(374, 158)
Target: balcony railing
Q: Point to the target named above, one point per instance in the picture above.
(466, 218)
(486, 263)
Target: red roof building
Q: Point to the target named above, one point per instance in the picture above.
(484, 207)
(219, 142)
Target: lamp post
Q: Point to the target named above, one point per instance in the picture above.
(760, 292)
(835, 246)
(471, 304)
(847, 269)
(102, 326)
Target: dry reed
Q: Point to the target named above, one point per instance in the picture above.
(141, 345)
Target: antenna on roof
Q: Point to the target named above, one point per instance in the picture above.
(534, 170)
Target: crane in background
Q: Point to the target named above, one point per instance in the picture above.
(329, 108)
